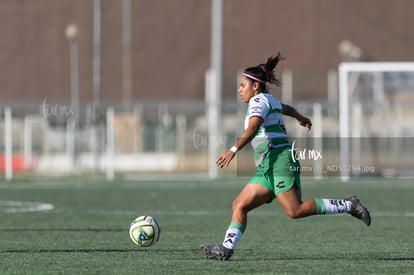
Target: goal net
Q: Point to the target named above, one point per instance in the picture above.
(376, 118)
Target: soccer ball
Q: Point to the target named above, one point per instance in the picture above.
(144, 231)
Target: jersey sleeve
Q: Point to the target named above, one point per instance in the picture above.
(258, 107)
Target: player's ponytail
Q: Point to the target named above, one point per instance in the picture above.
(265, 73)
(269, 67)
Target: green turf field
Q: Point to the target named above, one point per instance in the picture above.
(86, 232)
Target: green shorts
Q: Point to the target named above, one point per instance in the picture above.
(278, 171)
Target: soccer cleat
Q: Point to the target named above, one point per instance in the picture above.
(217, 252)
(358, 210)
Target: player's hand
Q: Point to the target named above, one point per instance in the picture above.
(225, 159)
(305, 122)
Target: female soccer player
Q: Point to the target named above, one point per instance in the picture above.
(277, 174)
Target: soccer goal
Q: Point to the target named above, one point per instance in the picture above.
(376, 118)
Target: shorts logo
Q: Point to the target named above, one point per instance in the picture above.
(281, 184)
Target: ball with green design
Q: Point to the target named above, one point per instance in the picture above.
(145, 231)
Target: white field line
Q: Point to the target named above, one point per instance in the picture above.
(24, 206)
(221, 213)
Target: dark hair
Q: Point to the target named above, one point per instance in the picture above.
(265, 72)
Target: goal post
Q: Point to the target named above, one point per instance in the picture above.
(365, 83)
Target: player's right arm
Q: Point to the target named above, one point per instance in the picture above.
(254, 124)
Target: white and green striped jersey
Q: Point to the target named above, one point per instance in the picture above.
(272, 133)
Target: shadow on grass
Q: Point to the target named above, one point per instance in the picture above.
(396, 259)
(196, 252)
(98, 250)
(63, 230)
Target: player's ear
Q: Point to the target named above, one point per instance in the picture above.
(255, 85)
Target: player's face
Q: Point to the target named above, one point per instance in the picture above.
(247, 89)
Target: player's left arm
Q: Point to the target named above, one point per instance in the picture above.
(254, 124)
(292, 112)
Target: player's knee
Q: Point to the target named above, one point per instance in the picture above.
(239, 205)
(293, 213)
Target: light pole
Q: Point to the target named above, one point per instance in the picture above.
(215, 79)
(126, 54)
(96, 81)
(72, 35)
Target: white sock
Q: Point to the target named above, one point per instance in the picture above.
(232, 237)
(336, 206)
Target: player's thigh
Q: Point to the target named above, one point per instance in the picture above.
(253, 195)
(290, 201)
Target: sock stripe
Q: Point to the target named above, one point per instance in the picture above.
(332, 206)
(237, 225)
(320, 206)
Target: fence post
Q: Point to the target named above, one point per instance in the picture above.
(181, 126)
(8, 143)
(28, 125)
(71, 141)
(287, 87)
(317, 140)
(110, 145)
